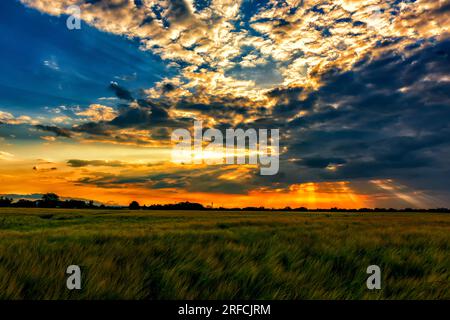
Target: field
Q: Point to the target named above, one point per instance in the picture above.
(222, 255)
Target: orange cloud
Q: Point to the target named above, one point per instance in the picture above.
(43, 176)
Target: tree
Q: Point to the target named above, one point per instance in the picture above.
(50, 200)
(50, 197)
(134, 205)
(24, 203)
(77, 204)
(5, 202)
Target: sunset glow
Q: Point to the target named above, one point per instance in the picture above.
(359, 91)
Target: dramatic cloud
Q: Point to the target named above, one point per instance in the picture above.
(360, 91)
(367, 123)
(220, 47)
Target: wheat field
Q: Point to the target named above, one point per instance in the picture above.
(222, 255)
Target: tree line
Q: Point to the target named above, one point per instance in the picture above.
(52, 200)
(48, 200)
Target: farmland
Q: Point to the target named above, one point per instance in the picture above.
(222, 255)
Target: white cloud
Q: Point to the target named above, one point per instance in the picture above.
(9, 118)
(98, 112)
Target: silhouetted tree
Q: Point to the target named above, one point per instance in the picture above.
(48, 197)
(23, 203)
(75, 204)
(177, 206)
(5, 202)
(134, 205)
(49, 200)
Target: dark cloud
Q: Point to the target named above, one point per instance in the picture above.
(386, 118)
(120, 92)
(146, 115)
(167, 87)
(109, 5)
(60, 132)
(93, 128)
(141, 114)
(132, 117)
(178, 11)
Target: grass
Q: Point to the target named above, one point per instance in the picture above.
(222, 255)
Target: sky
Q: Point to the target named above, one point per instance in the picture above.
(359, 90)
